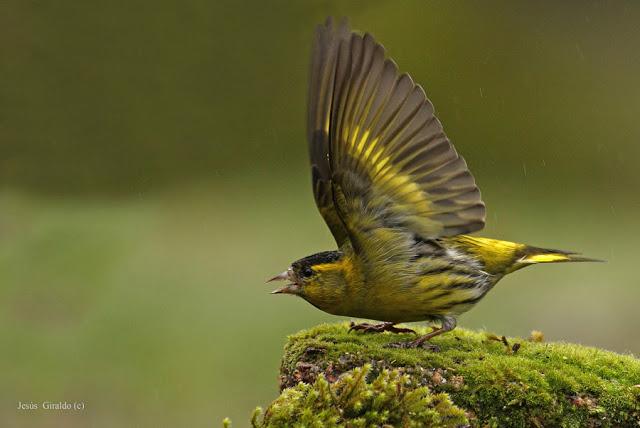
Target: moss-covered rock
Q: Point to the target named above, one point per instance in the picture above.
(390, 399)
(494, 381)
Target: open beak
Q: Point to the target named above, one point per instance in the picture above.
(292, 288)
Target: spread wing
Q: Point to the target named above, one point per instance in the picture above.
(382, 166)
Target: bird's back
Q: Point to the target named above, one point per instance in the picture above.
(496, 257)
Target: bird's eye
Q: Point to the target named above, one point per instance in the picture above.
(307, 272)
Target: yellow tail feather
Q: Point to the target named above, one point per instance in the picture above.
(540, 255)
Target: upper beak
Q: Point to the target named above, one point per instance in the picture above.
(280, 277)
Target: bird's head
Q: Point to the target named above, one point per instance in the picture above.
(319, 279)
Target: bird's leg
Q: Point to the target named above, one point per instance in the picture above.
(448, 324)
(379, 328)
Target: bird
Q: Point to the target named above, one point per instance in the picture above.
(397, 197)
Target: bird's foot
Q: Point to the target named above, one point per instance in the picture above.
(379, 328)
(448, 324)
(414, 344)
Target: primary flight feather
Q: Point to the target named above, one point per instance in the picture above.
(396, 196)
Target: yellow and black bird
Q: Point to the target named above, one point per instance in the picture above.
(398, 199)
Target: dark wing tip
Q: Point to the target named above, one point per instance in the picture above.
(341, 28)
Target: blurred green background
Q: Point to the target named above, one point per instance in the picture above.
(153, 174)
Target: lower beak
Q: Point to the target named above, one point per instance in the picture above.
(287, 289)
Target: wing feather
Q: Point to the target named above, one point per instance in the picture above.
(320, 103)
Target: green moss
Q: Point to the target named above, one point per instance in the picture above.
(391, 399)
(540, 384)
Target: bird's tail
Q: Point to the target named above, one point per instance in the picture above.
(534, 255)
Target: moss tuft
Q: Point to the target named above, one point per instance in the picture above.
(389, 399)
(497, 381)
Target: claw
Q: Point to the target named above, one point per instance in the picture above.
(378, 328)
(363, 326)
(400, 330)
